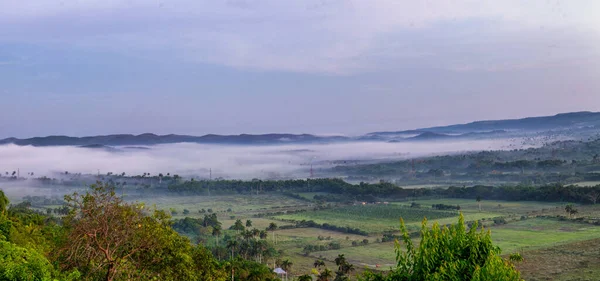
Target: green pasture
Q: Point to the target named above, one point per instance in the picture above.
(540, 233)
(370, 218)
(490, 206)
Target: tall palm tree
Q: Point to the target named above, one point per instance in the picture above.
(216, 232)
(272, 227)
(287, 265)
(232, 244)
(478, 199)
(319, 263)
(248, 223)
(340, 260)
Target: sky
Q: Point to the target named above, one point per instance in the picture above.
(91, 67)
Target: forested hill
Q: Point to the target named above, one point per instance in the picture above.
(558, 121)
(481, 129)
(151, 139)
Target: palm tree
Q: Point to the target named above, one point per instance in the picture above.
(216, 232)
(287, 265)
(248, 223)
(325, 275)
(305, 277)
(272, 227)
(238, 226)
(319, 263)
(340, 260)
(262, 234)
(232, 244)
(478, 199)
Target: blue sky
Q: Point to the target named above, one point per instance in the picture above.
(92, 67)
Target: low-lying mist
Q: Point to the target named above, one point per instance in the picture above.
(227, 161)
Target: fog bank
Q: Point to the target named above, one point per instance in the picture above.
(227, 161)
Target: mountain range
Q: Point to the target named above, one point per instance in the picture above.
(492, 128)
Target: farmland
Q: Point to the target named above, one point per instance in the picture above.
(372, 218)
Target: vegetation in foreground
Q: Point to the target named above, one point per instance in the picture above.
(105, 238)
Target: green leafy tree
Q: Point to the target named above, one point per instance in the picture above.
(305, 277)
(248, 223)
(448, 253)
(3, 201)
(22, 264)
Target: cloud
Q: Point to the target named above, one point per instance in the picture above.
(317, 36)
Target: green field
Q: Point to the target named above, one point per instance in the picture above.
(539, 233)
(490, 206)
(370, 218)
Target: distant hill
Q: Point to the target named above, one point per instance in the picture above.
(152, 139)
(543, 123)
(575, 121)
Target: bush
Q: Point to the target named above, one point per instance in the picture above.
(448, 253)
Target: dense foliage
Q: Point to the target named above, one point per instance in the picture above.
(448, 253)
(105, 238)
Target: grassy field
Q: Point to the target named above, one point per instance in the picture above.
(370, 218)
(491, 206)
(540, 233)
(572, 261)
(364, 256)
(239, 205)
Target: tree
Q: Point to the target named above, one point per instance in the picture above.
(325, 275)
(272, 227)
(238, 226)
(305, 277)
(216, 232)
(248, 223)
(108, 239)
(22, 264)
(3, 202)
(478, 199)
(318, 263)
(287, 265)
(344, 268)
(232, 244)
(570, 210)
(448, 253)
